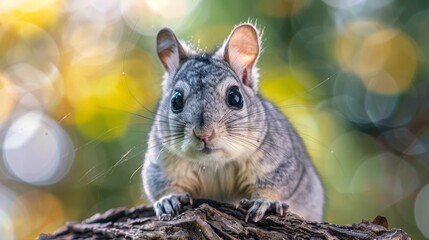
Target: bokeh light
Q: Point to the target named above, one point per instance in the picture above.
(43, 48)
(34, 88)
(344, 4)
(36, 211)
(7, 198)
(90, 41)
(41, 13)
(421, 210)
(36, 149)
(103, 101)
(384, 58)
(80, 81)
(158, 14)
(6, 226)
(7, 98)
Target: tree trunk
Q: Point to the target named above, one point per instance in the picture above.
(208, 219)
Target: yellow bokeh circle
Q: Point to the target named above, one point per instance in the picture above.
(7, 98)
(36, 212)
(384, 58)
(41, 13)
(103, 102)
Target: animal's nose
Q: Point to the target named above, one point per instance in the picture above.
(204, 136)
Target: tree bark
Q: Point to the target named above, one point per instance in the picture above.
(207, 219)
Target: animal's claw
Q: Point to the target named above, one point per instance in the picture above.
(256, 208)
(171, 205)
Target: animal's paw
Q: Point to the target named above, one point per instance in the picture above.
(256, 208)
(170, 205)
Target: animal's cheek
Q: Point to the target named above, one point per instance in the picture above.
(231, 148)
(187, 145)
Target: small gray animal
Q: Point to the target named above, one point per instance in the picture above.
(215, 137)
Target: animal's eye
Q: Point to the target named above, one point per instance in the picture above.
(234, 98)
(177, 102)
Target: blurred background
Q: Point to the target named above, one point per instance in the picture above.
(79, 80)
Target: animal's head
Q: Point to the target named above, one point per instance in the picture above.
(210, 109)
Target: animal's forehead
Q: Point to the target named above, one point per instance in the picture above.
(204, 71)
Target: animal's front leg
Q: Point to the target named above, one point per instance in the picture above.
(171, 205)
(261, 202)
(167, 197)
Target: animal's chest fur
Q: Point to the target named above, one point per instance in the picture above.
(221, 184)
(228, 183)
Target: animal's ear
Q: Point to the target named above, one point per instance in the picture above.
(241, 50)
(169, 50)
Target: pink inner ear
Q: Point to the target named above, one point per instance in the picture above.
(169, 49)
(242, 50)
(245, 78)
(242, 56)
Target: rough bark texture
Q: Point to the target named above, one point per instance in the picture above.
(208, 219)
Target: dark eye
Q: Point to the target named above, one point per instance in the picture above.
(177, 102)
(235, 100)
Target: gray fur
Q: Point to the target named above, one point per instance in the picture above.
(261, 156)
